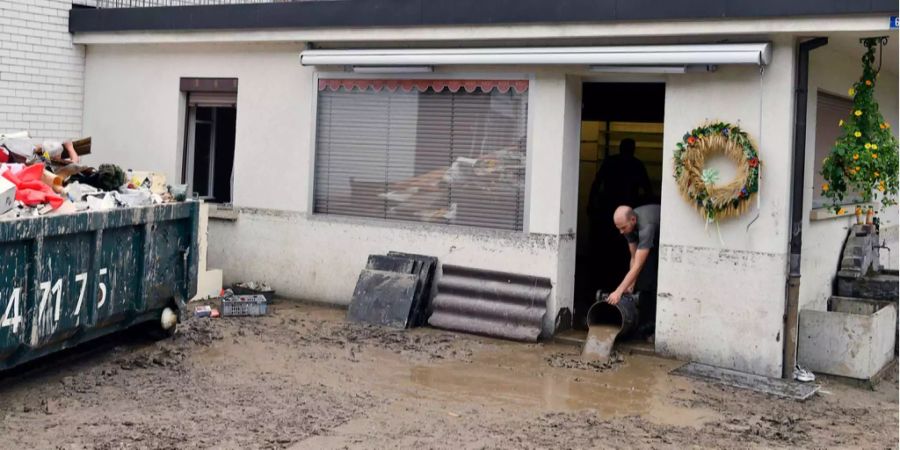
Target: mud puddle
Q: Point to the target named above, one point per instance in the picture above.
(639, 386)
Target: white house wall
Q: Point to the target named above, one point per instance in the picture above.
(722, 303)
(132, 110)
(834, 71)
(719, 302)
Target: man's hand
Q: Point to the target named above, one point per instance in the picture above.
(614, 297)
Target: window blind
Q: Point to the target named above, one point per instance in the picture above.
(830, 110)
(213, 99)
(424, 153)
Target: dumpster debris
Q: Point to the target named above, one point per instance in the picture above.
(76, 192)
(107, 177)
(7, 195)
(20, 148)
(30, 187)
(49, 178)
(155, 182)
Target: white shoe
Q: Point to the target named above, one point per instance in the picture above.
(802, 375)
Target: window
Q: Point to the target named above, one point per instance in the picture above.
(830, 110)
(442, 151)
(209, 142)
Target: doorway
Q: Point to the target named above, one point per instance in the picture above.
(615, 118)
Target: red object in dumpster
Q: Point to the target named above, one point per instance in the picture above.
(30, 190)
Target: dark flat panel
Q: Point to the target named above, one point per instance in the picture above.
(624, 102)
(671, 10)
(516, 11)
(383, 13)
(383, 298)
(208, 84)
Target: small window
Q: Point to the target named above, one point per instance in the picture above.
(830, 110)
(210, 132)
(441, 151)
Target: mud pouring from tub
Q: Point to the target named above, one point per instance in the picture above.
(606, 322)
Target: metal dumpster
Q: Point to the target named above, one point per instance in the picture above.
(71, 278)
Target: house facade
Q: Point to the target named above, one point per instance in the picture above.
(328, 131)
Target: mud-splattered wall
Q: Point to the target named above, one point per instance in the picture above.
(721, 301)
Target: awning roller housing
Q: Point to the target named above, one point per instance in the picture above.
(625, 55)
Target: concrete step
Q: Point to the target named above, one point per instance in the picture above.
(882, 286)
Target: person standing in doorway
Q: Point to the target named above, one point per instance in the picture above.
(621, 180)
(640, 226)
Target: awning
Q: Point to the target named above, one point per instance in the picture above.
(502, 86)
(625, 55)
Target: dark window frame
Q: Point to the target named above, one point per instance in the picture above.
(207, 93)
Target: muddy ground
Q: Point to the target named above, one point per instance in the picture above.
(303, 378)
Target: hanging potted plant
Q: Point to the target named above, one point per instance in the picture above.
(863, 160)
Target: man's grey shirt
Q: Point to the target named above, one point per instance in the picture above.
(646, 233)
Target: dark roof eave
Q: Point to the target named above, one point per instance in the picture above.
(395, 13)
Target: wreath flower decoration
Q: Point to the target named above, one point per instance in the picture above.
(701, 187)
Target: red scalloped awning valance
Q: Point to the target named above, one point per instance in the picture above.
(470, 86)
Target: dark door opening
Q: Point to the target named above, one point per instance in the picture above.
(612, 114)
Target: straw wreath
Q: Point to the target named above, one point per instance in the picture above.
(700, 185)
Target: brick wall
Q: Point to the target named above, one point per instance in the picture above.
(41, 71)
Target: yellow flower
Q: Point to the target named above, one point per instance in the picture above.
(881, 187)
(841, 123)
(824, 187)
(841, 211)
(874, 155)
(868, 82)
(857, 169)
(877, 174)
(874, 146)
(857, 113)
(881, 125)
(855, 156)
(857, 134)
(851, 91)
(868, 146)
